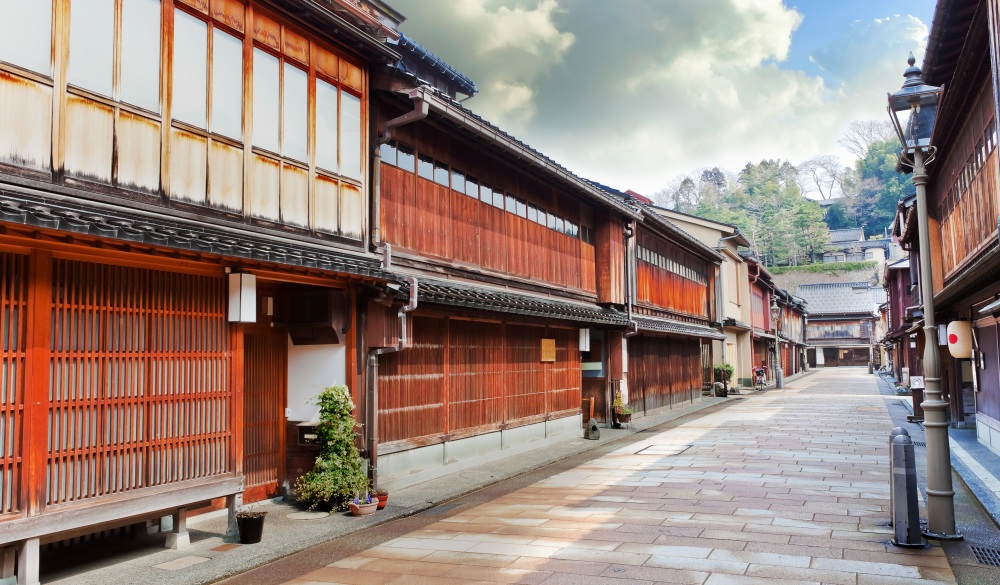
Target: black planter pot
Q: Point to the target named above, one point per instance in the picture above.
(251, 529)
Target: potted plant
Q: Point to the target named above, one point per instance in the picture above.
(621, 410)
(723, 373)
(338, 474)
(251, 524)
(382, 496)
(363, 506)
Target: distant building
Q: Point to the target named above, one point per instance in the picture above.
(841, 328)
(849, 245)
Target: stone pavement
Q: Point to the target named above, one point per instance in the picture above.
(788, 486)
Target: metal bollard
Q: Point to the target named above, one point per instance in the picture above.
(905, 514)
(892, 492)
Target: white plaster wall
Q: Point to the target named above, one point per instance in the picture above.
(311, 368)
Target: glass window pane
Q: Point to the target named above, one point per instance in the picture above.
(486, 194)
(350, 136)
(227, 85)
(522, 208)
(405, 156)
(296, 108)
(559, 224)
(532, 213)
(498, 198)
(386, 150)
(327, 122)
(266, 108)
(92, 45)
(511, 204)
(472, 186)
(441, 173)
(551, 221)
(190, 69)
(457, 180)
(425, 167)
(26, 34)
(140, 79)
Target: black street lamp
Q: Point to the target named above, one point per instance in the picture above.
(913, 110)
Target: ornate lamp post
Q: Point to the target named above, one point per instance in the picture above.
(913, 111)
(779, 381)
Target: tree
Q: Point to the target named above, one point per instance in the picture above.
(825, 173)
(878, 187)
(861, 134)
(811, 234)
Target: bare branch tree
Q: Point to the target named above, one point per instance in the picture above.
(823, 171)
(861, 134)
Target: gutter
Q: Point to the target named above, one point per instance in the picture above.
(372, 410)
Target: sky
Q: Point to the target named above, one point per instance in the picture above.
(636, 93)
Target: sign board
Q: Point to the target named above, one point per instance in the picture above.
(548, 350)
(905, 376)
(917, 382)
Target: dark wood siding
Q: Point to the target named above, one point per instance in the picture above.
(463, 377)
(670, 279)
(663, 371)
(610, 273)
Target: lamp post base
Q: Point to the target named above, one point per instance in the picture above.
(938, 536)
(779, 379)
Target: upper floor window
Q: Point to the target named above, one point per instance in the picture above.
(26, 34)
(92, 50)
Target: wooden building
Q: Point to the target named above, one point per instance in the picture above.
(841, 327)
(526, 281)
(732, 294)
(183, 241)
(902, 332)
(962, 196)
(762, 330)
(790, 332)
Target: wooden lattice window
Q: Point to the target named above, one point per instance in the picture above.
(139, 392)
(13, 326)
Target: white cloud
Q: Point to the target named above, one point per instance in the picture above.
(632, 93)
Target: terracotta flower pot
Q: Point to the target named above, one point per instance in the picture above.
(382, 500)
(363, 509)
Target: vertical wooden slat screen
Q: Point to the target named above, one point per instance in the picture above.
(525, 379)
(13, 327)
(565, 375)
(663, 371)
(264, 390)
(139, 391)
(411, 384)
(475, 374)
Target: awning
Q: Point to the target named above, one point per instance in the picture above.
(489, 299)
(761, 334)
(672, 327)
(990, 308)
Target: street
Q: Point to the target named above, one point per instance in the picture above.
(787, 486)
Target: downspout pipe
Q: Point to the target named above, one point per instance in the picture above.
(372, 410)
(420, 110)
(629, 231)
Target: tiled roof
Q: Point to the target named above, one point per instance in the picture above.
(846, 236)
(489, 299)
(841, 298)
(677, 328)
(81, 218)
(408, 45)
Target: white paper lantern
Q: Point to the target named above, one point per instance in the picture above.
(960, 339)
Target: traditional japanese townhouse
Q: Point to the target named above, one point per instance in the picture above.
(962, 195)
(673, 276)
(901, 336)
(521, 275)
(762, 338)
(790, 332)
(841, 326)
(732, 294)
(183, 242)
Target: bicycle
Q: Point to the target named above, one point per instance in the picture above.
(760, 378)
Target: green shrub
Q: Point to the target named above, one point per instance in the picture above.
(724, 372)
(339, 473)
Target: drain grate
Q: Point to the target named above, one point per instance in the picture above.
(986, 556)
(920, 443)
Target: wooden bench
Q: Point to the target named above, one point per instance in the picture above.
(21, 538)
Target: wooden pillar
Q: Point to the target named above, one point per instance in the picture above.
(36, 401)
